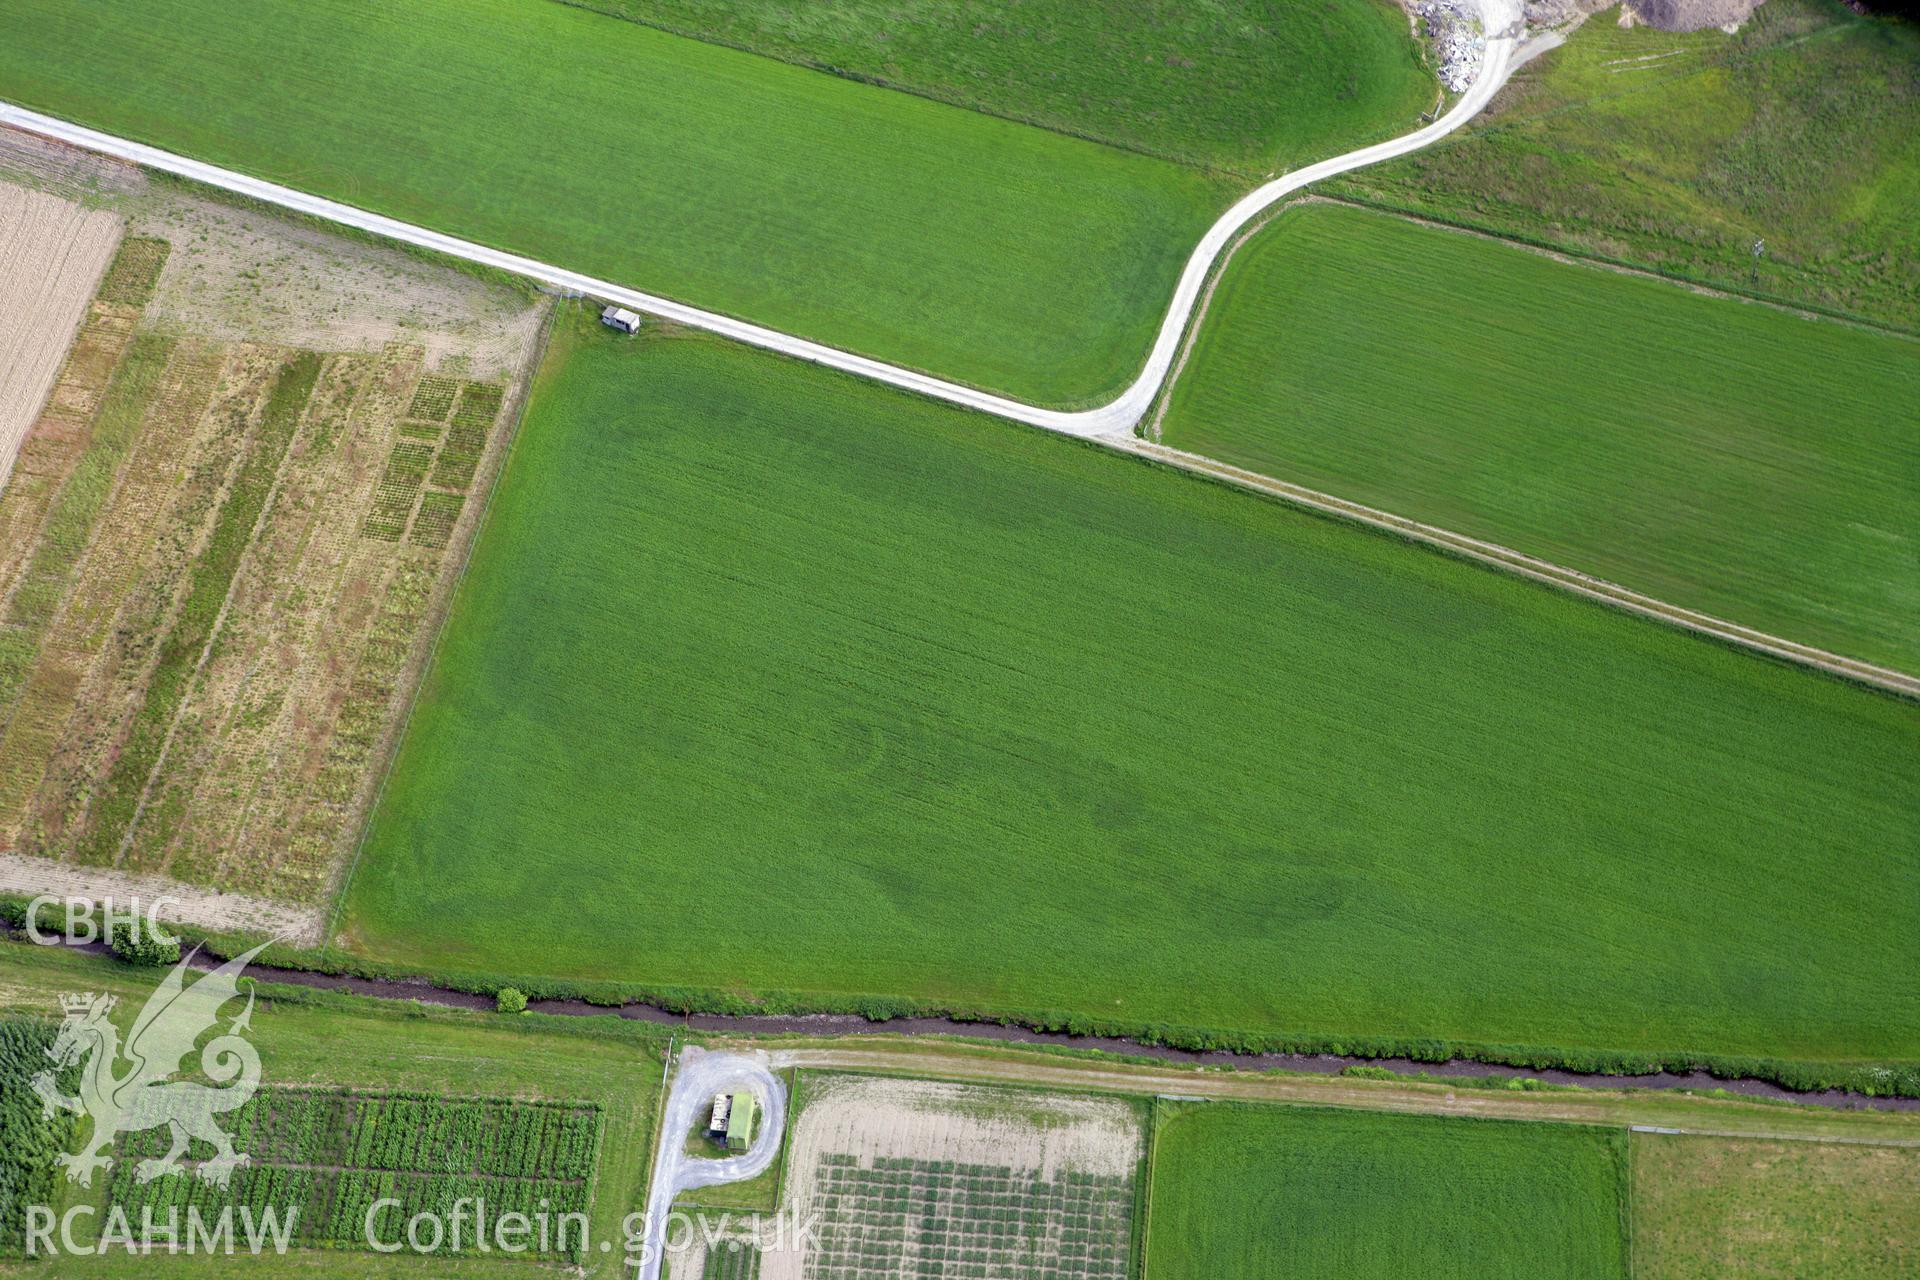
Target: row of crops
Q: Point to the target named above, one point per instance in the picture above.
(328, 1158)
(436, 450)
(28, 1139)
(732, 1261)
(939, 1218)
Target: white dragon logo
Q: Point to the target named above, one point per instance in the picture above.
(143, 1097)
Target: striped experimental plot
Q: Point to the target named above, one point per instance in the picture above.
(1249, 1192)
(219, 560)
(766, 679)
(324, 1159)
(427, 1106)
(1731, 458)
(980, 249)
(927, 1180)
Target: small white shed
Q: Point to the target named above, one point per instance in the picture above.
(622, 319)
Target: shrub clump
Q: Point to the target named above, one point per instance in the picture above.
(134, 942)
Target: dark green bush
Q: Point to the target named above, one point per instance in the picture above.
(134, 942)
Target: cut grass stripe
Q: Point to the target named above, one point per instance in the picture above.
(135, 271)
(50, 575)
(119, 798)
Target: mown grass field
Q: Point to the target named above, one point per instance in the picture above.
(373, 1047)
(1679, 151)
(1710, 1207)
(1728, 457)
(1244, 86)
(767, 679)
(1246, 1191)
(903, 228)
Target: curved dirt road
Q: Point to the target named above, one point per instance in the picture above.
(702, 1075)
(1501, 19)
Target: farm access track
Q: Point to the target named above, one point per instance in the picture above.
(1112, 424)
(853, 1026)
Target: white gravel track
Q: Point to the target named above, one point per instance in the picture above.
(703, 1074)
(1501, 19)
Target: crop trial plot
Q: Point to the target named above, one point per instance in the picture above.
(210, 598)
(733, 1261)
(324, 1158)
(929, 1179)
(28, 1174)
(361, 1100)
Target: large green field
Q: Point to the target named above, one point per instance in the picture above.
(765, 678)
(925, 234)
(1246, 1192)
(1720, 455)
(1238, 85)
(1679, 151)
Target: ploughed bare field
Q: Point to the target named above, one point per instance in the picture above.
(52, 252)
(916, 1177)
(230, 540)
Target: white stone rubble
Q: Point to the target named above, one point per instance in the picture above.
(1458, 43)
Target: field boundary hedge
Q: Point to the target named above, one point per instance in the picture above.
(1597, 1067)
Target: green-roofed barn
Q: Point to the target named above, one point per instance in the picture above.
(740, 1122)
